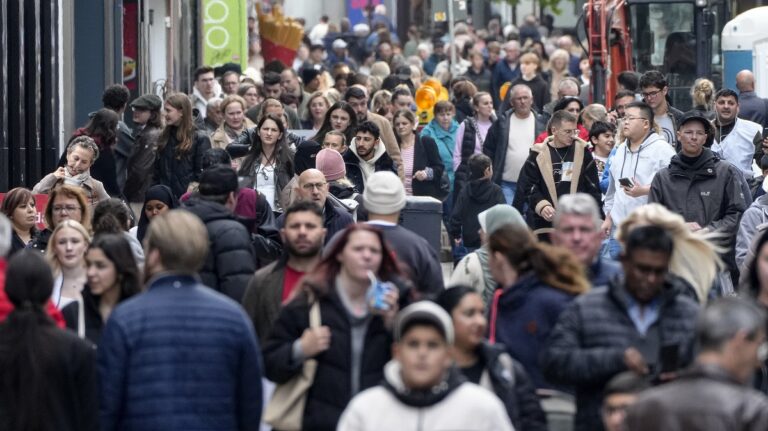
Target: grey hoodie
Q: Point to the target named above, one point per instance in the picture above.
(753, 217)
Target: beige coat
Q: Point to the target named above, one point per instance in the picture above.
(93, 188)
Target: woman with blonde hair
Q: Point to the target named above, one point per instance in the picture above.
(235, 122)
(66, 256)
(592, 113)
(381, 103)
(695, 258)
(317, 106)
(703, 95)
(558, 69)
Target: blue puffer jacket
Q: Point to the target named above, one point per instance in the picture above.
(524, 316)
(180, 356)
(586, 348)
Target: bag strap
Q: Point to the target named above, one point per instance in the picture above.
(80, 317)
(314, 315)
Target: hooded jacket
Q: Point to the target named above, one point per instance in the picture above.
(653, 155)
(392, 406)
(586, 348)
(708, 192)
(230, 263)
(358, 170)
(754, 216)
(445, 141)
(540, 186)
(522, 317)
(477, 196)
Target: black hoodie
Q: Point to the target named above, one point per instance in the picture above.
(476, 197)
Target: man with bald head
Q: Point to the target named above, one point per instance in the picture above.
(313, 187)
(751, 107)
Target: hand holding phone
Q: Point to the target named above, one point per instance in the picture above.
(626, 182)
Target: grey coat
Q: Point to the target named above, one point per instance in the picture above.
(754, 216)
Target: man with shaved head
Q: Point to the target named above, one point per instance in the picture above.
(751, 107)
(313, 187)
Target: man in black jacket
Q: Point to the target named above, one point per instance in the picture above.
(699, 186)
(313, 187)
(366, 155)
(510, 139)
(640, 323)
(230, 262)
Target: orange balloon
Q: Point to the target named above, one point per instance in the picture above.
(425, 98)
(443, 95)
(503, 90)
(434, 84)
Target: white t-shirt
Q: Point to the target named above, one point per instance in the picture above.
(667, 128)
(519, 142)
(266, 184)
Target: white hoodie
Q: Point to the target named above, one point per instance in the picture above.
(469, 407)
(654, 154)
(368, 166)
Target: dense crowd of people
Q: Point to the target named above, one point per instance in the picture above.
(236, 258)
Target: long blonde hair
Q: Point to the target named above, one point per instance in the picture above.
(53, 261)
(695, 258)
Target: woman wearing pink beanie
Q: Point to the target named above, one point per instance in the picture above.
(331, 164)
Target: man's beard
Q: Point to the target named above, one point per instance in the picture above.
(313, 251)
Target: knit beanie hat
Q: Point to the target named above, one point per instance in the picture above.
(384, 193)
(331, 164)
(501, 215)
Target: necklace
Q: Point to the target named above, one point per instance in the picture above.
(561, 155)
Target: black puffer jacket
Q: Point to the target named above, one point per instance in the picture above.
(230, 263)
(177, 172)
(476, 197)
(586, 348)
(508, 380)
(331, 390)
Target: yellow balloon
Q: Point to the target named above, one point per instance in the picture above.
(503, 90)
(426, 97)
(434, 84)
(443, 95)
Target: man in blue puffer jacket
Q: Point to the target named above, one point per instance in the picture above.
(180, 356)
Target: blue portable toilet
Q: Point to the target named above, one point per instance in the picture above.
(745, 46)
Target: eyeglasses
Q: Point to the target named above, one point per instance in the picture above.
(66, 209)
(692, 133)
(311, 186)
(569, 131)
(634, 118)
(651, 94)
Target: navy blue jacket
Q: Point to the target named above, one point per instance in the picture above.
(180, 356)
(586, 348)
(527, 313)
(602, 271)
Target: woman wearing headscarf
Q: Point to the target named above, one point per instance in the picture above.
(158, 201)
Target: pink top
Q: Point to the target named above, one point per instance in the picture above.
(484, 126)
(407, 156)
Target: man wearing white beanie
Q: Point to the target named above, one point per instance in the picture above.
(384, 198)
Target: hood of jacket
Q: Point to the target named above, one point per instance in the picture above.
(341, 190)
(481, 190)
(393, 382)
(208, 211)
(378, 152)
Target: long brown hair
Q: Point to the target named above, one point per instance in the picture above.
(553, 265)
(184, 131)
(282, 154)
(321, 281)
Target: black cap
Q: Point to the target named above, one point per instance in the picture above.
(696, 116)
(147, 102)
(218, 180)
(310, 73)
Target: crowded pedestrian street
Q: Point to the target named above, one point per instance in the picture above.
(383, 215)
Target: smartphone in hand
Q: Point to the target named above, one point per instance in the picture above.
(626, 182)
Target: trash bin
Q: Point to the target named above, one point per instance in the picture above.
(424, 216)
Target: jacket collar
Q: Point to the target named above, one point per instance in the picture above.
(704, 166)
(618, 291)
(710, 371)
(172, 279)
(393, 382)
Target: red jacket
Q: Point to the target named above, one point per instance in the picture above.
(6, 306)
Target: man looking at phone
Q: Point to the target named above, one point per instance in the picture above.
(643, 153)
(558, 166)
(736, 140)
(640, 323)
(699, 186)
